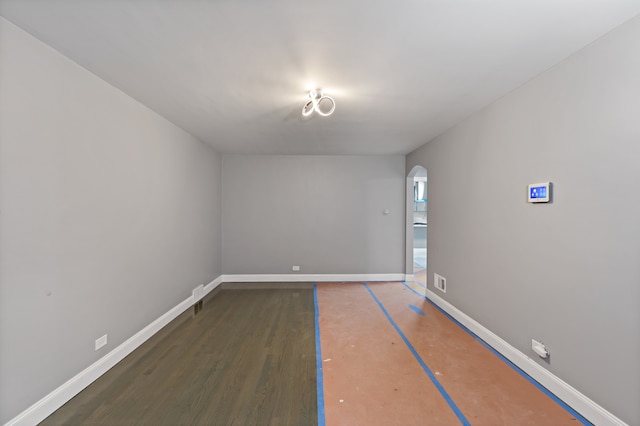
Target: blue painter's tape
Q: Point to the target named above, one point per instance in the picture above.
(530, 379)
(418, 358)
(414, 291)
(418, 282)
(319, 375)
(417, 310)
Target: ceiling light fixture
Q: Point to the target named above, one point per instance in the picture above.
(322, 104)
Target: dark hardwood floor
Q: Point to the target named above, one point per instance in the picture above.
(248, 358)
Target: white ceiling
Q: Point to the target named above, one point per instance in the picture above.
(234, 73)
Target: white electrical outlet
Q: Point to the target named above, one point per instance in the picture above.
(295, 268)
(440, 282)
(101, 341)
(539, 348)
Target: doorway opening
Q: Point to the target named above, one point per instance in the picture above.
(417, 201)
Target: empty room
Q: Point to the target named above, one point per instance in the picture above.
(319, 213)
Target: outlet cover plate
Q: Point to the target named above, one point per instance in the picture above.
(101, 341)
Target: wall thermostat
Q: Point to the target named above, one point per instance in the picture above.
(539, 192)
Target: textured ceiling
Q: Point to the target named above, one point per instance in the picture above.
(235, 73)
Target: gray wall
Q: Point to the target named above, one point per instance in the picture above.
(322, 213)
(567, 273)
(109, 217)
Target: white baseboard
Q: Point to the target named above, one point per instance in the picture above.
(244, 278)
(57, 398)
(571, 396)
(409, 277)
(213, 284)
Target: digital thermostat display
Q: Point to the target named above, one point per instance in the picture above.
(539, 192)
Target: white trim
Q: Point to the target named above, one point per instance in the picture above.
(250, 278)
(409, 277)
(571, 396)
(213, 284)
(58, 397)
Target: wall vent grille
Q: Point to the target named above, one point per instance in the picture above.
(440, 282)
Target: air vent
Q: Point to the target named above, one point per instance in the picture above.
(440, 282)
(197, 307)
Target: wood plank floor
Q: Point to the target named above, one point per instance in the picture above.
(248, 358)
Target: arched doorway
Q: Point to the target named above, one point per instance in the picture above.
(416, 220)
